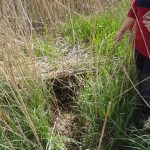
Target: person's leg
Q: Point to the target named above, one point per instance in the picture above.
(143, 71)
(144, 87)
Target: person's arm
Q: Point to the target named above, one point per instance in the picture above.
(125, 26)
(129, 21)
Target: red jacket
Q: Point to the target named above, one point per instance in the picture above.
(142, 40)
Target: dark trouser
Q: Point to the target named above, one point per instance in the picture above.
(143, 67)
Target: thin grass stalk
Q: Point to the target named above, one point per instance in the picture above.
(104, 126)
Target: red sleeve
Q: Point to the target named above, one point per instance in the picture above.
(132, 11)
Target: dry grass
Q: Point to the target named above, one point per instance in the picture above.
(18, 25)
(40, 14)
(21, 21)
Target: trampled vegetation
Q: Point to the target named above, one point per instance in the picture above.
(60, 70)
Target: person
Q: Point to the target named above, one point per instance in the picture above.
(137, 15)
(146, 22)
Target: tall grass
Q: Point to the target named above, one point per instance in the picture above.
(110, 83)
(31, 29)
(44, 14)
(103, 87)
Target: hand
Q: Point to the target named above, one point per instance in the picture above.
(118, 36)
(147, 24)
